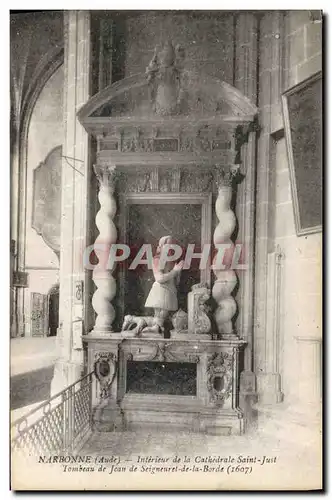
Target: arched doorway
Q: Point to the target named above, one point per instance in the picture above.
(53, 310)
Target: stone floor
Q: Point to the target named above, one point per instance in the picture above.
(32, 362)
(290, 440)
(30, 387)
(129, 443)
(298, 462)
(28, 354)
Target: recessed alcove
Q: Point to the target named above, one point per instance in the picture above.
(146, 225)
(155, 377)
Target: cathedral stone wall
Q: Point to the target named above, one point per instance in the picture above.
(208, 40)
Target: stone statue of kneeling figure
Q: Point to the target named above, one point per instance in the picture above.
(162, 297)
(163, 294)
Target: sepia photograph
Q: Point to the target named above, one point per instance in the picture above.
(166, 218)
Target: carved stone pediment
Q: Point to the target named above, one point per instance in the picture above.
(168, 90)
(201, 96)
(169, 115)
(198, 96)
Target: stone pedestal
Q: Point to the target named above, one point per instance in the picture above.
(214, 407)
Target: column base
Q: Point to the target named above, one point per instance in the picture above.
(228, 336)
(65, 374)
(103, 334)
(97, 332)
(268, 388)
(108, 417)
(248, 398)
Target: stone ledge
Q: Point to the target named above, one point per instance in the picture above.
(120, 338)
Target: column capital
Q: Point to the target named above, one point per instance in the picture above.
(227, 176)
(106, 174)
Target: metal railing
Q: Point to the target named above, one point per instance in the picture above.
(59, 425)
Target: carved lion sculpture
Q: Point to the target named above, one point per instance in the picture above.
(137, 324)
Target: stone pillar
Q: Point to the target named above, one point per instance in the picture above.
(75, 182)
(245, 79)
(226, 280)
(246, 36)
(270, 380)
(270, 88)
(16, 294)
(102, 276)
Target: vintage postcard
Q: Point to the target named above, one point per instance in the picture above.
(166, 250)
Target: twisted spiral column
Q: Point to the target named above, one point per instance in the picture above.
(226, 280)
(102, 277)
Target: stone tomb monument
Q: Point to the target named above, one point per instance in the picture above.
(170, 145)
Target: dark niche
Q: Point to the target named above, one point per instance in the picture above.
(155, 377)
(148, 223)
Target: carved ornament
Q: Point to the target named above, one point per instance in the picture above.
(137, 143)
(197, 309)
(105, 368)
(180, 321)
(106, 174)
(227, 176)
(164, 76)
(154, 351)
(220, 377)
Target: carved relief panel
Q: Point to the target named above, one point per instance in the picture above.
(194, 142)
